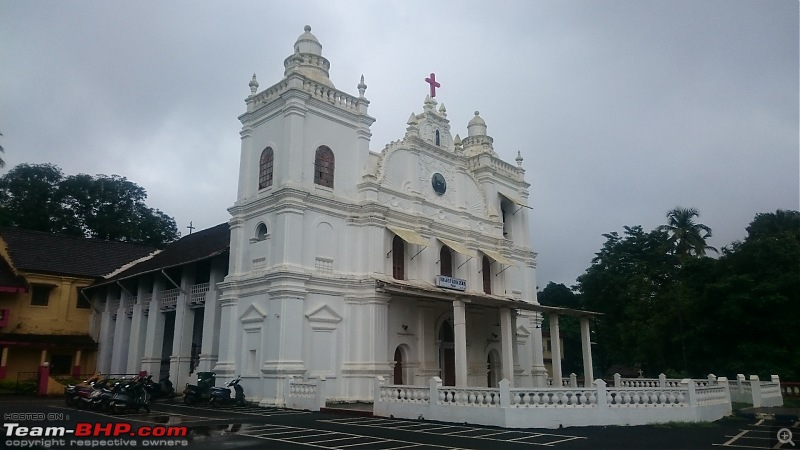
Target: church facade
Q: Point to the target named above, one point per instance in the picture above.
(347, 264)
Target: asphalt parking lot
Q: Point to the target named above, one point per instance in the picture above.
(258, 428)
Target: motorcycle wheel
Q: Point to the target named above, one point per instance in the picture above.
(214, 402)
(69, 400)
(117, 409)
(187, 400)
(147, 408)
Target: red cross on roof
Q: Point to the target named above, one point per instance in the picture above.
(434, 84)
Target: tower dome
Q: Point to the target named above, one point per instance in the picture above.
(308, 43)
(308, 60)
(476, 126)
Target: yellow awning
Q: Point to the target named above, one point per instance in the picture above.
(457, 246)
(498, 257)
(409, 236)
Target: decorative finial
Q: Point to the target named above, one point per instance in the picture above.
(253, 85)
(362, 87)
(519, 159)
(477, 113)
(442, 110)
(307, 28)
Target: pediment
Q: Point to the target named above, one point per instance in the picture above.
(325, 314)
(253, 313)
(522, 331)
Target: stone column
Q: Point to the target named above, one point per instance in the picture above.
(539, 370)
(184, 330)
(586, 346)
(138, 329)
(122, 335)
(209, 351)
(106, 341)
(228, 332)
(460, 335)
(506, 330)
(426, 347)
(555, 346)
(154, 341)
(284, 356)
(3, 363)
(76, 365)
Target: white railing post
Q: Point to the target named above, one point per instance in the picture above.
(692, 394)
(379, 382)
(723, 381)
(573, 380)
(662, 380)
(755, 388)
(434, 384)
(320, 393)
(617, 380)
(505, 393)
(739, 382)
(602, 392)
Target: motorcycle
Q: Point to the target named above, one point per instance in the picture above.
(162, 389)
(201, 392)
(221, 396)
(101, 397)
(130, 395)
(73, 393)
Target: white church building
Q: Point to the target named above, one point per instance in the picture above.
(403, 277)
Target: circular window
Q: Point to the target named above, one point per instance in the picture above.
(439, 184)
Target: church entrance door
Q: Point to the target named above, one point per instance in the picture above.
(447, 354)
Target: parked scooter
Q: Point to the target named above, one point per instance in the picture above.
(130, 395)
(162, 389)
(201, 392)
(221, 396)
(74, 392)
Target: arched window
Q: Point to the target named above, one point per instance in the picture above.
(265, 168)
(438, 141)
(398, 258)
(446, 261)
(323, 167)
(486, 271)
(261, 232)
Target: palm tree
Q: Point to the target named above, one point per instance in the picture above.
(687, 237)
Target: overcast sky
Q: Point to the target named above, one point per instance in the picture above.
(622, 109)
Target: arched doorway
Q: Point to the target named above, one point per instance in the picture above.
(398, 366)
(493, 366)
(447, 354)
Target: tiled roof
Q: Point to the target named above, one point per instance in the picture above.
(59, 254)
(193, 247)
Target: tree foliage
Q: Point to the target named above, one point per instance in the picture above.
(40, 197)
(667, 308)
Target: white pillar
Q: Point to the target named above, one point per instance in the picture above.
(184, 331)
(226, 362)
(106, 341)
(154, 341)
(506, 330)
(122, 335)
(586, 345)
(460, 335)
(555, 347)
(539, 370)
(138, 328)
(209, 351)
(426, 347)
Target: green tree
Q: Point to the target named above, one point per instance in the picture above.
(39, 197)
(630, 281)
(569, 327)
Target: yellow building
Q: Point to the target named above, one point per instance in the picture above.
(44, 317)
